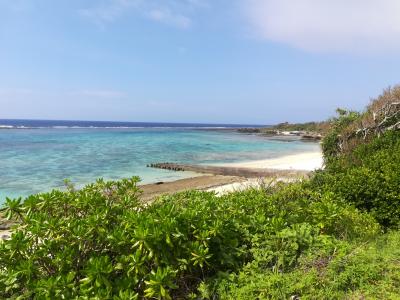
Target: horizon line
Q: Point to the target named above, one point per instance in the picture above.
(146, 122)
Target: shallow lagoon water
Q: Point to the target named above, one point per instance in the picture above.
(38, 160)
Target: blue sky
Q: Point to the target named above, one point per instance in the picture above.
(219, 61)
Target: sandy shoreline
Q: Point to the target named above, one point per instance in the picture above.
(307, 161)
(221, 184)
(204, 182)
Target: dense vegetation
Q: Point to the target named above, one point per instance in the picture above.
(311, 128)
(334, 236)
(314, 127)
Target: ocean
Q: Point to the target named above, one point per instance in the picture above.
(36, 156)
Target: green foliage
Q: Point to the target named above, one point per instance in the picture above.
(102, 242)
(334, 270)
(330, 143)
(368, 178)
(315, 127)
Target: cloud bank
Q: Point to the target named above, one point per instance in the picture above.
(328, 25)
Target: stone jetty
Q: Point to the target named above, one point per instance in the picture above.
(228, 171)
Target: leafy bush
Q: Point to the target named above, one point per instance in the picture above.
(338, 270)
(351, 129)
(315, 127)
(331, 144)
(103, 242)
(368, 178)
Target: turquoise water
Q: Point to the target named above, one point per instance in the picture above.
(38, 160)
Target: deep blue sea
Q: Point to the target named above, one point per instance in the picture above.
(36, 156)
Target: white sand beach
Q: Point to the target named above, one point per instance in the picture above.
(307, 161)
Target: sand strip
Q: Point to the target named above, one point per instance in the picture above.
(151, 191)
(232, 177)
(307, 161)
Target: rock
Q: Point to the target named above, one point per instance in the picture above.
(5, 237)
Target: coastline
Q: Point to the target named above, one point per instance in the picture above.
(203, 182)
(285, 168)
(304, 161)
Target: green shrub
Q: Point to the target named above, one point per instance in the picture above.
(368, 178)
(102, 242)
(331, 142)
(337, 270)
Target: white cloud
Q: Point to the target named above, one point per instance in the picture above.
(169, 12)
(328, 25)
